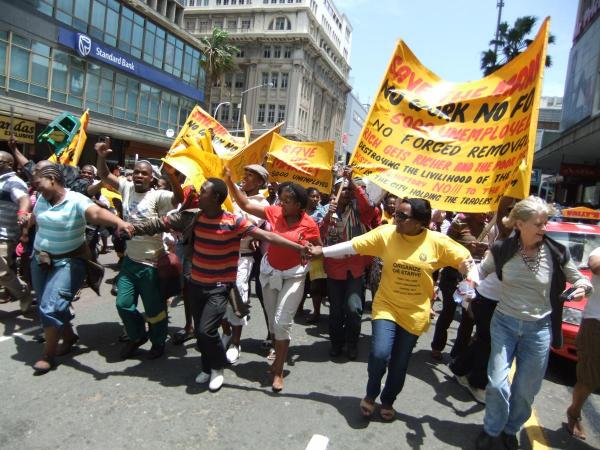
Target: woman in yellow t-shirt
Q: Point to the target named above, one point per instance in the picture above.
(410, 253)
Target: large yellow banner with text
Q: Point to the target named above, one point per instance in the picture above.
(462, 146)
(306, 163)
(253, 153)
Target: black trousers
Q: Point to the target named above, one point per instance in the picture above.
(448, 281)
(209, 303)
(473, 361)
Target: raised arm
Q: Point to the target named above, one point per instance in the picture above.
(241, 199)
(103, 150)
(175, 185)
(14, 149)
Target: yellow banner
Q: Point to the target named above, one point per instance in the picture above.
(247, 131)
(22, 130)
(70, 156)
(194, 129)
(306, 163)
(462, 146)
(253, 153)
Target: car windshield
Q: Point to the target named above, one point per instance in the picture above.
(580, 245)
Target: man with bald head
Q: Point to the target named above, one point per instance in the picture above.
(138, 275)
(14, 212)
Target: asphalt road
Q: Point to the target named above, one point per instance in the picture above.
(94, 400)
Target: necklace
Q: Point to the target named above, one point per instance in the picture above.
(532, 262)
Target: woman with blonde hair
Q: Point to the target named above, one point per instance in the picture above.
(533, 270)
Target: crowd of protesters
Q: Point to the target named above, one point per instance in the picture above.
(289, 242)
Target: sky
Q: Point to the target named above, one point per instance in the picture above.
(447, 36)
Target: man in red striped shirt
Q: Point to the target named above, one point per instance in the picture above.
(215, 253)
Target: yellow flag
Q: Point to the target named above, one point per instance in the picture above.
(306, 163)
(247, 131)
(253, 153)
(71, 155)
(462, 146)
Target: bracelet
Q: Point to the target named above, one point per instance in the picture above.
(21, 212)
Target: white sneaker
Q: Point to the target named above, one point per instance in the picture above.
(462, 380)
(216, 380)
(203, 378)
(225, 338)
(233, 354)
(478, 394)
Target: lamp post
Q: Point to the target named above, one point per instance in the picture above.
(217, 108)
(269, 84)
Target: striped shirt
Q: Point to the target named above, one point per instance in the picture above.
(61, 227)
(12, 188)
(217, 247)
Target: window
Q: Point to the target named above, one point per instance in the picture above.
(241, 53)
(245, 24)
(265, 78)
(232, 24)
(44, 6)
(281, 113)
(218, 2)
(277, 51)
(280, 23)
(224, 110)
(203, 26)
(228, 80)
(267, 52)
(131, 32)
(149, 105)
(73, 13)
(240, 80)
(274, 79)
(105, 21)
(190, 25)
(261, 113)
(218, 23)
(284, 80)
(3, 52)
(173, 56)
(235, 109)
(213, 108)
(271, 114)
(287, 53)
(99, 90)
(29, 64)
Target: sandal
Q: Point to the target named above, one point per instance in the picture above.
(271, 356)
(182, 336)
(367, 407)
(574, 426)
(66, 346)
(387, 413)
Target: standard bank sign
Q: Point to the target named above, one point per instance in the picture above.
(85, 46)
(88, 48)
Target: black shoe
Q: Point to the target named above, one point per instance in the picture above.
(486, 442)
(156, 351)
(123, 337)
(510, 441)
(130, 348)
(335, 350)
(114, 290)
(351, 352)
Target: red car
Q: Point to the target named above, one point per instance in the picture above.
(580, 239)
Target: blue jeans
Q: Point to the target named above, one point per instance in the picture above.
(55, 287)
(391, 347)
(508, 406)
(345, 309)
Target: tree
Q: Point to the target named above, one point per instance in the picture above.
(510, 43)
(219, 55)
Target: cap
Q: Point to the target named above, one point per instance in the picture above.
(260, 170)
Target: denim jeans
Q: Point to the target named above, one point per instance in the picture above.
(55, 287)
(391, 347)
(345, 309)
(508, 406)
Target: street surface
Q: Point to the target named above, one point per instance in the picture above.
(95, 401)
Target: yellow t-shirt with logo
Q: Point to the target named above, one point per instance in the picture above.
(406, 285)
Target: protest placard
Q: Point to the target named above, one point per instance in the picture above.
(462, 146)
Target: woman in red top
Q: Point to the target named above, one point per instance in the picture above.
(282, 272)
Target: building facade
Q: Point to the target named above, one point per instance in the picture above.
(575, 154)
(356, 114)
(293, 64)
(129, 62)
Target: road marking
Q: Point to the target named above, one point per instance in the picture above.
(19, 333)
(532, 426)
(318, 442)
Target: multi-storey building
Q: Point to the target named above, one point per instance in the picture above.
(575, 154)
(293, 64)
(129, 62)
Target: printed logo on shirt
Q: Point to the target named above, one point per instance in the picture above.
(423, 257)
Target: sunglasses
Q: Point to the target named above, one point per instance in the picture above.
(402, 216)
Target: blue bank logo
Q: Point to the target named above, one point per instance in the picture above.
(84, 44)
